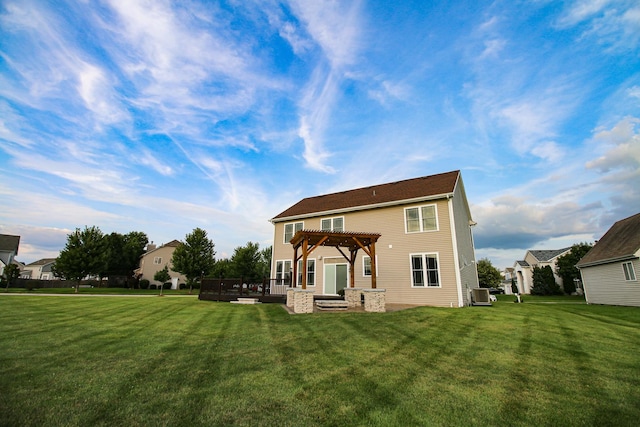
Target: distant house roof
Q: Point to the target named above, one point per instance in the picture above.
(173, 243)
(43, 261)
(9, 243)
(620, 242)
(548, 255)
(368, 197)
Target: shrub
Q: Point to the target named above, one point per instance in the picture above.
(144, 284)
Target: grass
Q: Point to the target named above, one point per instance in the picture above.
(181, 361)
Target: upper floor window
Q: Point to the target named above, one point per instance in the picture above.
(291, 229)
(421, 218)
(157, 260)
(424, 270)
(629, 272)
(333, 224)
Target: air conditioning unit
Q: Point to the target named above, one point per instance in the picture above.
(480, 296)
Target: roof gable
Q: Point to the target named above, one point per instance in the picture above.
(9, 243)
(547, 255)
(43, 261)
(425, 187)
(621, 241)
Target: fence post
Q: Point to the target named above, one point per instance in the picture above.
(264, 285)
(241, 282)
(220, 285)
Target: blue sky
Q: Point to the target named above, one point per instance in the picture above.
(162, 116)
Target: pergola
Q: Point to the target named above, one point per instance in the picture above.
(309, 240)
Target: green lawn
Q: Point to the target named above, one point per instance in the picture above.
(89, 361)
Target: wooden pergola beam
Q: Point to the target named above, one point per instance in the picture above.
(310, 240)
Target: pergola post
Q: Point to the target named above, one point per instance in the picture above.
(354, 241)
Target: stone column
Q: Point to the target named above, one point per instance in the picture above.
(352, 297)
(290, 297)
(374, 300)
(303, 301)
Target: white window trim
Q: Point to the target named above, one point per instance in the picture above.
(364, 257)
(284, 261)
(332, 219)
(435, 208)
(424, 255)
(629, 271)
(315, 272)
(284, 230)
(157, 260)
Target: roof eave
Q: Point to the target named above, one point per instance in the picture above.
(607, 261)
(362, 207)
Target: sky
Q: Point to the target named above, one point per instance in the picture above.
(163, 116)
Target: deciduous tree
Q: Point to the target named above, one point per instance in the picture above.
(162, 276)
(11, 272)
(194, 257)
(488, 275)
(81, 256)
(566, 266)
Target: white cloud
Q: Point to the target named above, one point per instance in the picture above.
(622, 144)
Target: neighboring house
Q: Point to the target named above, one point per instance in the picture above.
(155, 259)
(40, 269)
(8, 250)
(610, 269)
(523, 269)
(424, 255)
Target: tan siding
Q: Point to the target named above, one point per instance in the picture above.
(605, 284)
(392, 250)
(149, 269)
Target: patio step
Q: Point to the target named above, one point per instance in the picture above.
(331, 304)
(246, 301)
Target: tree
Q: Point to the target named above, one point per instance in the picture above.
(566, 266)
(82, 255)
(162, 276)
(122, 253)
(195, 257)
(11, 272)
(245, 262)
(488, 275)
(544, 283)
(264, 265)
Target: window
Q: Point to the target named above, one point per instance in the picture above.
(291, 229)
(366, 266)
(421, 218)
(157, 260)
(424, 270)
(311, 272)
(333, 224)
(629, 272)
(283, 270)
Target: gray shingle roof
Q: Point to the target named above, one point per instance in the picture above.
(547, 255)
(620, 242)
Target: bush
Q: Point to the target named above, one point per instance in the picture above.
(144, 284)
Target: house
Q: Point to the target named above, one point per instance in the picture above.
(523, 269)
(417, 230)
(155, 259)
(610, 269)
(8, 250)
(40, 269)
